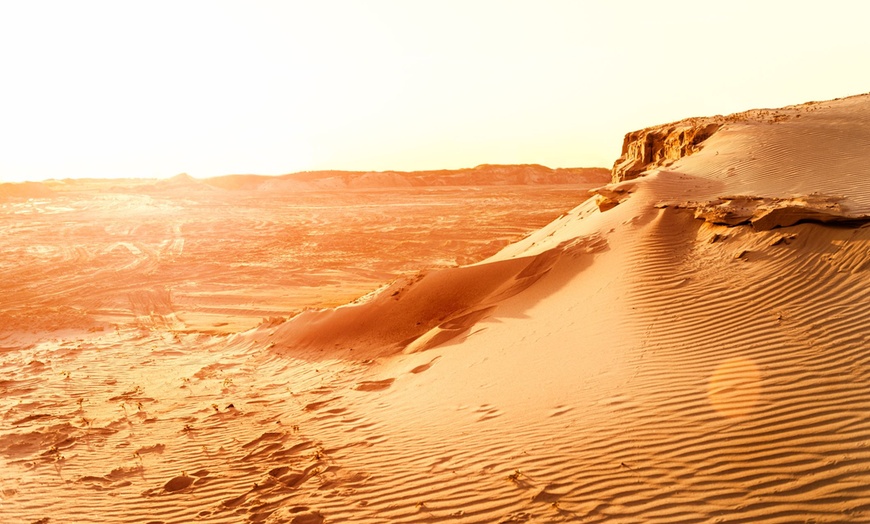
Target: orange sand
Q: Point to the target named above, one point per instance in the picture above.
(690, 345)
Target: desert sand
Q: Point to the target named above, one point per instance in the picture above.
(684, 340)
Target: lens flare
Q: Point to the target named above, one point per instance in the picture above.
(734, 387)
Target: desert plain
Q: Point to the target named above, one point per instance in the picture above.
(682, 338)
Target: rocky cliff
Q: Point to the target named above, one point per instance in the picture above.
(660, 146)
(657, 146)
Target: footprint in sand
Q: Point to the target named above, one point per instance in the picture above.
(235, 501)
(178, 483)
(423, 367)
(559, 410)
(374, 385)
(156, 448)
(307, 518)
(547, 494)
(184, 481)
(313, 406)
(487, 412)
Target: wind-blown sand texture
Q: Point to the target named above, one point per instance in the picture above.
(690, 344)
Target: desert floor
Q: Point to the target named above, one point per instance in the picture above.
(690, 345)
(120, 301)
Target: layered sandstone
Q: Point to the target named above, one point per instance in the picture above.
(661, 145)
(764, 214)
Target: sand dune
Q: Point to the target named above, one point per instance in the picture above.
(689, 344)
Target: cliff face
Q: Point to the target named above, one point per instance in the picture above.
(656, 146)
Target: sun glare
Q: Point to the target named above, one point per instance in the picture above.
(108, 89)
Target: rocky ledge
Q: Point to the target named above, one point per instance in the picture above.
(661, 145)
(764, 214)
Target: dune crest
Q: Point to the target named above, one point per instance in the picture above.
(424, 311)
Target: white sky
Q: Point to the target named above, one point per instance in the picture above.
(152, 89)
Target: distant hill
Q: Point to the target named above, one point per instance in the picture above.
(180, 181)
(327, 180)
(482, 175)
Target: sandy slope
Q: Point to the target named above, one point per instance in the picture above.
(695, 352)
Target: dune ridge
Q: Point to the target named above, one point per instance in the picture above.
(688, 344)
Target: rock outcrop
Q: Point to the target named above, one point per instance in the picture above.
(764, 214)
(612, 195)
(662, 145)
(657, 146)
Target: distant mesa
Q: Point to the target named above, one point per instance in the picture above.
(482, 175)
(327, 180)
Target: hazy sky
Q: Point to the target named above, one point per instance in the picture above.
(152, 89)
